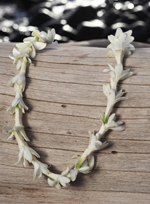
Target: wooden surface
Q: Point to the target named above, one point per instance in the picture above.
(64, 94)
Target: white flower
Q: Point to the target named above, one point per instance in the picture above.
(19, 79)
(60, 180)
(112, 125)
(85, 163)
(86, 168)
(17, 101)
(16, 130)
(109, 93)
(20, 58)
(109, 124)
(73, 174)
(39, 168)
(26, 153)
(120, 44)
(95, 144)
(119, 95)
(88, 165)
(112, 98)
(49, 36)
(37, 37)
(117, 73)
(30, 47)
(42, 36)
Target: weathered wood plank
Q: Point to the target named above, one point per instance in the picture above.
(119, 181)
(112, 159)
(29, 194)
(64, 94)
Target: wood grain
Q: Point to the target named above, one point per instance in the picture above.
(64, 95)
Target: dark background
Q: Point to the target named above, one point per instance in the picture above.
(75, 20)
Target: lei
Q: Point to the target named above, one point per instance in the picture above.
(120, 46)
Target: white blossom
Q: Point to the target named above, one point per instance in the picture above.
(19, 79)
(49, 36)
(88, 165)
(26, 153)
(120, 44)
(37, 37)
(95, 144)
(112, 97)
(30, 47)
(73, 174)
(117, 73)
(39, 168)
(18, 101)
(112, 125)
(86, 168)
(20, 58)
(60, 181)
(42, 36)
(16, 129)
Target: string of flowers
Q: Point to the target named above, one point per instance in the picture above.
(22, 56)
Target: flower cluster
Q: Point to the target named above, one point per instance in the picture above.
(42, 37)
(22, 56)
(120, 45)
(59, 181)
(19, 130)
(84, 168)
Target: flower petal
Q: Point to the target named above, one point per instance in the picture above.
(119, 123)
(106, 70)
(7, 129)
(51, 182)
(91, 161)
(118, 32)
(98, 145)
(110, 54)
(84, 169)
(11, 136)
(66, 171)
(27, 154)
(58, 186)
(106, 89)
(112, 117)
(118, 128)
(73, 174)
(104, 144)
(33, 152)
(39, 45)
(63, 180)
(20, 155)
(29, 39)
(16, 52)
(33, 52)
(37, 171)
(19, 63)
(24, 135)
